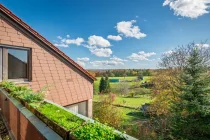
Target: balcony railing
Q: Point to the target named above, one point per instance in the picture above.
(27, 122)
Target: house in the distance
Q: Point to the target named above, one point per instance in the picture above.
(28, 58)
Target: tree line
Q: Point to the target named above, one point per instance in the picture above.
(121, 72)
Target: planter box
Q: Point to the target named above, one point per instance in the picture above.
(48, 124)
(65, 134)
(22, 123)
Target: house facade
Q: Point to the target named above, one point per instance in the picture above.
(27, 58)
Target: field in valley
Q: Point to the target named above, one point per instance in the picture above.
(113, 85)
(129, 101)
(131, 116)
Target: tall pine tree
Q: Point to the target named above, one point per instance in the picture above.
(102, 85)
(107, 85)
(190, 114)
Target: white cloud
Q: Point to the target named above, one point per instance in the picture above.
(81, 63)
(78, 41)
(105, 63)
(168, 52)
(116, 38)
(101, 52)
(188, 8)
(114, 61)
(83, 59)
(117, 59)
(127, 29)
(203, 45)
(59, 37)
(136, 57)
(65, 42)
(61, 45)
(98, 46)
(206, 45)
(98, 41)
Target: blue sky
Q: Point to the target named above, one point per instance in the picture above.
(140, 30)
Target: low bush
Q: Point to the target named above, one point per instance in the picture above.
(106, 113)
(122, 88)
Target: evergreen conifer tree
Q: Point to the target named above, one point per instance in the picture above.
(107, 85)
(102, 85)
(190, 114)
(140, 76)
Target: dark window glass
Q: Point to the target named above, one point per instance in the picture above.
(17, 63)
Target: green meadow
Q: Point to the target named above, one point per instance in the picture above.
(113, 85)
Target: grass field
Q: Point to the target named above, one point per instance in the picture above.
(97, 82)
(134, 102)
(130, 116)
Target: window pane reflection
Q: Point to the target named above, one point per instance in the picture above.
(17, 63)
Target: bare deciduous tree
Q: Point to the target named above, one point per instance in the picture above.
(123, 88)
(178, 57)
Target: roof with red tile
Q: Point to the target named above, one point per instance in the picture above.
(45, 41)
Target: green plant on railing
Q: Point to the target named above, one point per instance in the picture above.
(23, 92)
(18, 93)
(20, 90)
(8, 85)
(11, 87)
(60, 116)
(95, 131)
(79, 127)
(32, 97)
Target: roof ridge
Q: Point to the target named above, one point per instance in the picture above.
(40, 37)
